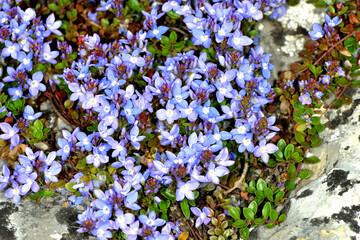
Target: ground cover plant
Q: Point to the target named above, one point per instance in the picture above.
(171, 111)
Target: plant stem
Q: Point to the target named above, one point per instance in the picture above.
(332, 47)
(238, 183)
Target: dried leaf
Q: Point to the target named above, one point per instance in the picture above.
(350, 27)
(353, 18)
(323, 47)
(312, 45)
(345, 52)
(183, 236)
(357, 36)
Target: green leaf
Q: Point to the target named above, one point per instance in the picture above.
(282, 218)
(261, 184)
(185, 208)
(298, 106)
(281, 145)
(288, 151)
(343, 10)
(134, 5)
(321, 4)
(315, 141)
(270, 225)
(291, 170)
(259, 221)
(166, 192)
(301, 127)
(69, 186)
(248, 213)
(53, 7)
(148, 137)
(239, 224)
(253, 206)
(289, 185)
(81, 163)
(266, 210)
(312, 159)
(268, 193)
(173, 37)
(279, 196)
(304, 174)
(165, 40)
(315, 120)
(299, 120)
(300, 137)
(273, 215)
(253, 33)
(278, 154)
(343, 82)
(40, 194)
(173, 14)
(38, 124)
(312, 69)
(245, 233)
(48, 193)
(234, 212)
(319, 128)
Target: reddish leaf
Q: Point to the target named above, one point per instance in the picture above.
(353, 18)
(311, 45)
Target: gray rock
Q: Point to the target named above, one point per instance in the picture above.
(48, 221)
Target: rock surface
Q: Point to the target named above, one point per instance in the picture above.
(29, 221)
(327, 205)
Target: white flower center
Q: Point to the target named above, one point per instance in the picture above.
(156, 31)
(204, 38)
(133, 60)
(222, 32)
(206, 110)
(66, 149)
(169, 113)
(217, 136)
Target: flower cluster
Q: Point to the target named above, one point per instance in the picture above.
(24, 36)
(30, 168)
(199, 114)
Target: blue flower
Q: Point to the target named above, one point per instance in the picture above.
(30, 115)
(264, 149)
(29, 183)
(169, 114)
(65, 148)
(201, 38)
(237, 40)
(151, 221)
(157, 32)
(317, 32)
(305, 99)
(14, 192)
(134, 138)
(171, 5)
(332, 22)
(26, 61)
(134, 58)
(129, 111)
(49, 173)
(11, 49)
(10, 133)
(5, 178)
(53, 26)
(49, 55)
(85, 141)
(224, 31)
(186, 190)
(202, 215)
(35, 84)
(213, 173)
